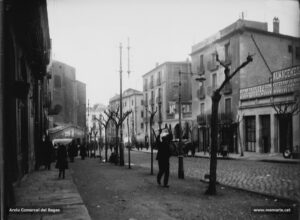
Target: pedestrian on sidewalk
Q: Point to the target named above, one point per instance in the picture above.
(72, 150)
(48, 151)
(62, 161)
(82, 151)
(163, 141)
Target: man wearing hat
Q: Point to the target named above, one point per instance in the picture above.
(163, 155)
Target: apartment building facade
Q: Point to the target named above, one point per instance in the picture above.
(247, 116)
(133, 125)
(161, 92)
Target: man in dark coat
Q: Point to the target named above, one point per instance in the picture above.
(62, 161)
(72, 150)
(82, 151)
(163, 141)
(48, 152)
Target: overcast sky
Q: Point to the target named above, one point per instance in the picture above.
(86, 34)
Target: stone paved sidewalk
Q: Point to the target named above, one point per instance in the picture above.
(43, 189)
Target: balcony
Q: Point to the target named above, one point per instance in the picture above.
(201, 93)
(151, 85)
(212, 65)
(158, 100)
(187, 114)
(201, 119)
(201, 70)
(170, 116)
(209, 90)
(227, 60)
(227, 88)
(145, 87)
(158, 81)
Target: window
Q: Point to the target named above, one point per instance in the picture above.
(297, 53)
(213, 59)
(142, 114)
(201, 63)
(214, 81)
(142, 102)
(226, 48)
(57, 81)
(132, 102)
(145, 84)
(151, 82)
(227, 106)
(290, 48)
(159, 78)
(202, 108)
(142, 125)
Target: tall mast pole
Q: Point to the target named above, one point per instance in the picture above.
(121, 110)
(128, 67)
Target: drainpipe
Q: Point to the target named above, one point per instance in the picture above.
(1, 113)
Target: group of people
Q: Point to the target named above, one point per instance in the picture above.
(60, 152)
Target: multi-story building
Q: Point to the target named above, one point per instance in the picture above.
(23, 107)
(161, 93)
(94, 113)
(68, 97)
(247, 101)
(133, 126)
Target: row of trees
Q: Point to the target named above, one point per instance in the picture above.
(114, 116)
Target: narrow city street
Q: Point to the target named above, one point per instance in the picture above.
(114, 192)
(276, 179)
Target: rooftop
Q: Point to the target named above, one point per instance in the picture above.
(239, 25)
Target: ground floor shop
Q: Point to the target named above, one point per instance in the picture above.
(264, 131)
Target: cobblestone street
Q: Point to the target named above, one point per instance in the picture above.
(275, 179)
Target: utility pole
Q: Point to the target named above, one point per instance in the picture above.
(88, 126)
(180, 155)
(121, 112)
(128, 146)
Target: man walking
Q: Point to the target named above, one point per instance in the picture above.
(163, 156)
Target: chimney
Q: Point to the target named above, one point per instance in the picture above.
(276, 25)
(156, 64)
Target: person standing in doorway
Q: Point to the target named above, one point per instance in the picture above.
(163, 141)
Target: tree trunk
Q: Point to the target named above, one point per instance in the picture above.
(121, 153)
(105, 136)
(214, 144)
(117, 145)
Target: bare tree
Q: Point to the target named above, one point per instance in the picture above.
(104, 123)
(216, 97)
(117, 120)
(152, 135)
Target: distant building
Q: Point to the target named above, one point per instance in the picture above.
(93, 115)
(133, 126)
(247, 102)
(68, 96)
(161, 85)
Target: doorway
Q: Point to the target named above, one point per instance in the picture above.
(265, 133)
(285, 132)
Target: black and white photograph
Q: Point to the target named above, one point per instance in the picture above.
(149, 109)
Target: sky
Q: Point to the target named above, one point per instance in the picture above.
(87, 34)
